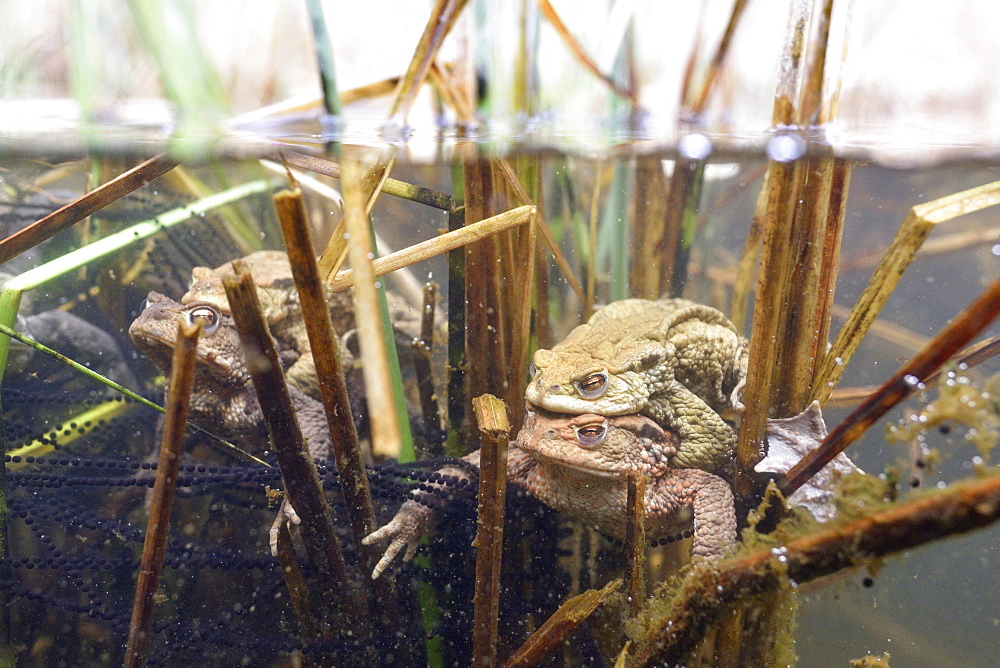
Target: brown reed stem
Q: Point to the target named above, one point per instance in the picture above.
(442, 19)
(574, 46)
(401, 189)
(494, 431)
(901, 384)
(298, 471)
(698, 105)
(83, 206)
(635, 541)
(326, 356)
(457, 360)
(158, 522)
(423, 348)
(295, 582)
(706, 591)
(557, 628)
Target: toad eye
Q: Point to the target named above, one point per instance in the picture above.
(593, 385)
(532, 370)
(207, 316)
(591, 434)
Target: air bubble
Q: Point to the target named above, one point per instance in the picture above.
(694, 146)
(911, 380)
(785, 147)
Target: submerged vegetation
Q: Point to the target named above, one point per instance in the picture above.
(524, 245)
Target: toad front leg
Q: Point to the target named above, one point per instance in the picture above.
(705, 440)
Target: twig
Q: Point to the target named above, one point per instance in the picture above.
(80, 208)
(158, 523)
(906, 380)
(302, 484)
(560, 625)
(491, 415)
(706, 591)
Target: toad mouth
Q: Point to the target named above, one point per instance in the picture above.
(600, 473)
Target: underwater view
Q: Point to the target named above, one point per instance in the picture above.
(485, 333)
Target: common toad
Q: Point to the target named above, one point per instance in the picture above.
(272, 274)
(681, 363)
(223, 398)
(576, 465)
(280, 304)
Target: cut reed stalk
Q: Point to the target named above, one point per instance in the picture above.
(769, 335)
(298, 471)
(485, 312)
(654, 242)
(494, 432)
(557, 628)
(85, 205)
(158, 522)
(769, 310)
(818, 223)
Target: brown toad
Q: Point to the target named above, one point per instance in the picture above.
(680, 363)
(223, 398)
(279, 301)
(576, 464)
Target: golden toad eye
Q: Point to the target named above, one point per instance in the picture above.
(207, 316)
(593, 385)
(591, 434)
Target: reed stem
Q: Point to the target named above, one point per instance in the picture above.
(158, 523)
